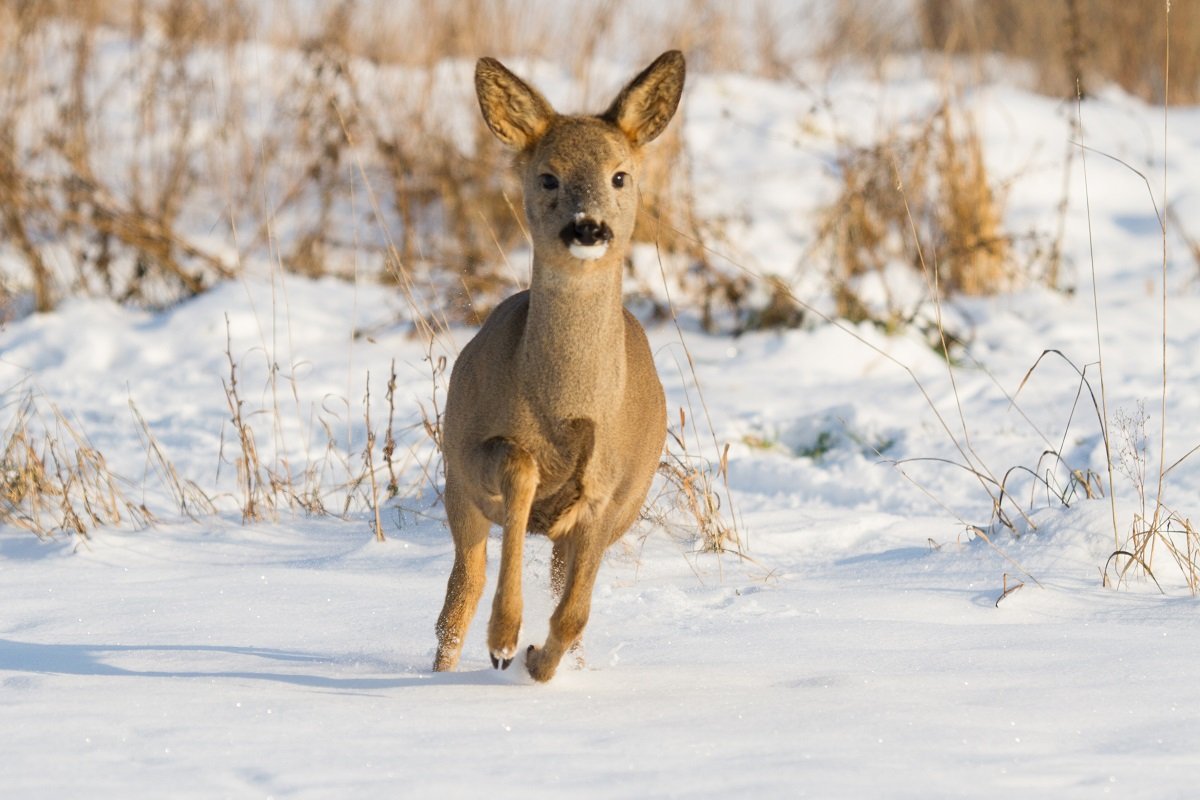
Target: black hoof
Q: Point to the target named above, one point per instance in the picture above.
(504, 664)
(495, 661)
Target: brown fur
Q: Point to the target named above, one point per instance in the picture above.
(555, 417)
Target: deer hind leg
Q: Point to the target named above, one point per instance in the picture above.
(469, 527)
(560, 562)
(518, 485)
(584, 554)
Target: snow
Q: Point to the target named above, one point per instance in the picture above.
(271, 661)
(869, 642)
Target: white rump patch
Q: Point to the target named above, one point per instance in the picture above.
(588, 252)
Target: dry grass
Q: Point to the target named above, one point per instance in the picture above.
(53, 480)
(326, 165)
(924, 192)
(357, 474)
(369, 465)
(1070, 46)
(865, 31)
(1076, 44)
(257, 486)
(191, 499)
(347, 174)
(1155, 530)
(692, 491)
(174, 169)
(1169, 533)
(695, 482)
(145, 224)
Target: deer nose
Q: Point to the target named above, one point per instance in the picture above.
(588, 232)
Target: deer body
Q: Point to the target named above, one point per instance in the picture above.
(555, 417)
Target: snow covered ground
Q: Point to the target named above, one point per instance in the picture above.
(860, 648)
(292, 660)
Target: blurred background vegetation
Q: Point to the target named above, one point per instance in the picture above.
(142, 156)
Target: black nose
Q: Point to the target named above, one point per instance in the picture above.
(589, 232)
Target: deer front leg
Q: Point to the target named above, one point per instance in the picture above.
(518, 485)
(571, 615)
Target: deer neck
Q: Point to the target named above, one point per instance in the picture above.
(573, 350)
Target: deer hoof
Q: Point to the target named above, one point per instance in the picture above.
(501, 659)
(539, 665)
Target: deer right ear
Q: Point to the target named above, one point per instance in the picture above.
(515, 111)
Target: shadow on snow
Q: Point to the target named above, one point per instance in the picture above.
(88, 659)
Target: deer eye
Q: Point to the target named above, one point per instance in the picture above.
(620, 179)
(549, 182)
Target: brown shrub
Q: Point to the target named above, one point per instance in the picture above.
(924, 200)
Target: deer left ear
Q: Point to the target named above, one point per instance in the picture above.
(644, 107)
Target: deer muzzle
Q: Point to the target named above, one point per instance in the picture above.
(586, 238)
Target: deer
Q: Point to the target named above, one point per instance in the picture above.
(555, 417)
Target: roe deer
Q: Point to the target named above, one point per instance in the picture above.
(555, 417)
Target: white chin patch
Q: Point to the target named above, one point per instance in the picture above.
(588, 252)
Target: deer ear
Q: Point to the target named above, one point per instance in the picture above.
(644, 107)
(515, 111)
